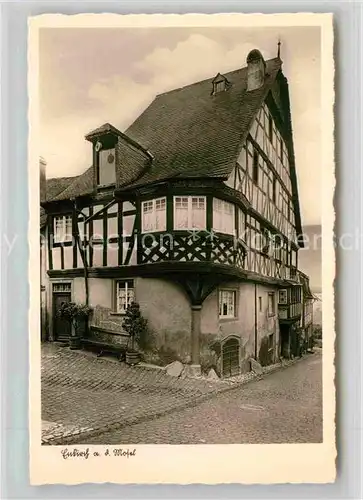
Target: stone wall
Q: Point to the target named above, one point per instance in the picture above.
(167, 308)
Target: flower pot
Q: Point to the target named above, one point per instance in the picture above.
(74, 342)
(132, 357)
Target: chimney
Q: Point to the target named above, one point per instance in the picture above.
(256, 69)
(42, 180)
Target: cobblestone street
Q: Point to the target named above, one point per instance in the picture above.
(284, 407)
(82, 394)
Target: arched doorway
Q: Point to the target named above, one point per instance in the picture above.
(231, 357)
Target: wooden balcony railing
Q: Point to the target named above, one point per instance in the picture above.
(189, 247)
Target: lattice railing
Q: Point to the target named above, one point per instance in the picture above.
(191, 248)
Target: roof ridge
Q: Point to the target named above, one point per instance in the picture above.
(204, 80)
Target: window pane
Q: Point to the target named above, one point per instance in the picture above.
(223, 216)
(181, 218)
(63, 228)
(68, 228)
(160, 219)
(241, 224)
(227, 300)
(181, 202)
(58, 229)
(217, 214)
(198, 213)
(228, 218)
(147, 206)
(124, 295)
(148, 222)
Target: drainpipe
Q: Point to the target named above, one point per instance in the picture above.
(255, 321)
(82, 250)
(195, 340)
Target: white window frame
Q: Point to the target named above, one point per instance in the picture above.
(64, 234)
(129, 290)
(156, 205)
(223, 299)
(221, 211)
(241, 224)
(189, 201)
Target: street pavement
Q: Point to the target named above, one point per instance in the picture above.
(284, 407)
(81, 393)
(86, 399)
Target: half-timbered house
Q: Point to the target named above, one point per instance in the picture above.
(307, 316)
(193, 212)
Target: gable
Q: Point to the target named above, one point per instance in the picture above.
(199, 134)
(271, 186)
(188, 132)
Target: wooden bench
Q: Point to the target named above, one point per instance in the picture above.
(102, 347)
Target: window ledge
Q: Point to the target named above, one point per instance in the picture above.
(226, 319)
(116, 314)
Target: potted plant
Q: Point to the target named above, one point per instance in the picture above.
(75, 313)
(136, 326)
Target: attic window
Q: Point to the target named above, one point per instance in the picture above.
(219, 87)
(220, 84)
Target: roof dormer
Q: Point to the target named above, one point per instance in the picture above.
(104, 140)
(220, 84)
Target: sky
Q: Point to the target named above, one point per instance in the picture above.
(90, 76)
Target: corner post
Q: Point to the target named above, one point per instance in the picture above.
(195, 337)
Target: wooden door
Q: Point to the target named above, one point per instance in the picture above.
(61, 326)
(230, 358)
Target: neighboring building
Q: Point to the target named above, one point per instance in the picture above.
(194, 213)
(307, 311)
(48, 189)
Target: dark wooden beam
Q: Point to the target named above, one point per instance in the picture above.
(50, 240)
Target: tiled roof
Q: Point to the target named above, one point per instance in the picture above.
(304, 280)
(54, 187)
(81, 186)
(190, 132)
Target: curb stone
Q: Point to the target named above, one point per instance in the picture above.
(58, 438)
